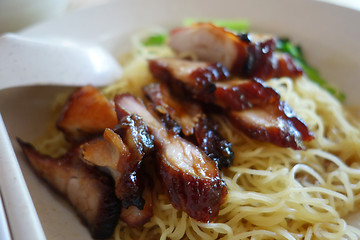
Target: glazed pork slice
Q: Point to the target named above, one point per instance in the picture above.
(123, 149)
(245, 55)
(86, 114)
(196, 76)
(274, 123)
(136, 136)
(131, 185)
(190, 178)
(211, 44)
(235, 94)
(191, 121)
(89, 190)
(240, 94)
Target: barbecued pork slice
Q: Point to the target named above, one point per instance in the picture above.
(239, 94)
(245, 55)
(210, 43)
(197, 77)
(127, 170)
(191, 179)
(277, 124)
(88, 189)
(192, 121)
(85, 114)
(109, 152)
(236, 94)
(123, 149)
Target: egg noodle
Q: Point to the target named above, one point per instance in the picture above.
(273, 192)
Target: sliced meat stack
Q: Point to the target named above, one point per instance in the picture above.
(117, 145)
(250, 105)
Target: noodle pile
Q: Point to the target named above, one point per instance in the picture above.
(273, 192)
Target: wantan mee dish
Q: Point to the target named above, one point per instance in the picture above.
(210, 134)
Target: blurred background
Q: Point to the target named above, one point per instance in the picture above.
(18, 14)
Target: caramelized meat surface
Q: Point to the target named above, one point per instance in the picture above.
(86, 114)
(274, 123)
(192, 122)
(197, 77)
(239, 98)
(235, 94)
(191, 179)
(123, 149)
(244, 94)
(212, 143)
(89, 190)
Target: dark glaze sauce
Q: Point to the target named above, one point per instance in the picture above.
(262, 62)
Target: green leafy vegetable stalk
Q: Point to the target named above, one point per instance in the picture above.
(284, 45)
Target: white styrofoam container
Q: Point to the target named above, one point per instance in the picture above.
(329, 36)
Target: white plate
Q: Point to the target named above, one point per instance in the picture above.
(329, 36)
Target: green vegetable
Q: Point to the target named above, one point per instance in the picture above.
(284, 45)
(235, 25)
(155, 40)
